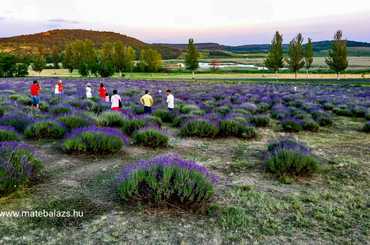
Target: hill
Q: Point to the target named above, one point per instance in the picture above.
(46, 41)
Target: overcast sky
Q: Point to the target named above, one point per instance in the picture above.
(228, 22)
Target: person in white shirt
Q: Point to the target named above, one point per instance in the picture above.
(170, 101)
(88, 91)
(116, 101)
(58, 90)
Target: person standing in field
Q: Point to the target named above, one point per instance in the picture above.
(170, 101)
(147, 101)
(107, 98)
(88, 91)
(116, 101)
(35, 90)
(58, 89)
(102, 91)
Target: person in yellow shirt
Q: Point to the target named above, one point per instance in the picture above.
(147, 101)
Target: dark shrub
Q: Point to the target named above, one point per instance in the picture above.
(151, 121)
(8, 133)
(94, 140)
(150, 138)
(18, 166)
(72, 122)
(60, 109)
(263, 107)
(166, 180)
(201, 129)
(229, 128)
(260, 120)
(99, 107)
(186, 109)
(292, 125)
(343, 110)
(290, 157)
(223, 110)
(323, 119)
(138, 110)
(358, 111)
(2, 111)
(165, 116)
(111, 119)
(18, 121)
(181, 120)
(366, 127)
(328, 106)
(44, 130)
(310, 125)
(130, 126)
(21, 99)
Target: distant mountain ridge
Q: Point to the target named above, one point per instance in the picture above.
(318, 46)
(31, 44)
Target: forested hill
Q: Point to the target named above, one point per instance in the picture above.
(46, 41)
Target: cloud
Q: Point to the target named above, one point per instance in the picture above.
(64, 21)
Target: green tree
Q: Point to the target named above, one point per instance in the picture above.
(150, 60)
(55, 57)
(295, 58)
(308, 55)
(7, 65)
(119, 57)
(192, 57)
(21, 70)
(274, 60)
(129, 59)
(80, 55)
(337, 60)
(38, 63)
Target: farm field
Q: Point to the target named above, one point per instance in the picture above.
(250, 203)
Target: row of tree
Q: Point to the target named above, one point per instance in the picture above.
(300, 56)
(109, 59)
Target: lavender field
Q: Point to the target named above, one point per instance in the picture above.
(232, 138)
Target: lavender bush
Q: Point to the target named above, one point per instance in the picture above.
(151, 137)
(167, 179)
(45, 130)
(18, 166)
(94, 140)
(288, 157)
(8, 133)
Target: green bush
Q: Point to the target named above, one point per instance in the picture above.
(231, 128)
(165, 116)
(111, 119)
(8, 134)
(152, 121)
(130, 126)
(366, 127)
(18, 166)
(223, 110)
(202, 129)
(59, 110)
(323, 119)
(260, 120)
(186, 109)
(72, 122)
(310, 125)
(288, 157)
(94, 140)
(150, 138)
(44, 130)
(2, 111)
(167, 180)
(18, 121)
(291, 125)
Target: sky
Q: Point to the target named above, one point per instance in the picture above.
(231, 22)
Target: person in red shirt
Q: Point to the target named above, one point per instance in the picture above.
(35, 90)
(58, 90)
(102, 92)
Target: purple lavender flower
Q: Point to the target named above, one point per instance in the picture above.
(163, 161)
(107, 131)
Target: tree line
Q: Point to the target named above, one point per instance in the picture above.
(301, 56)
